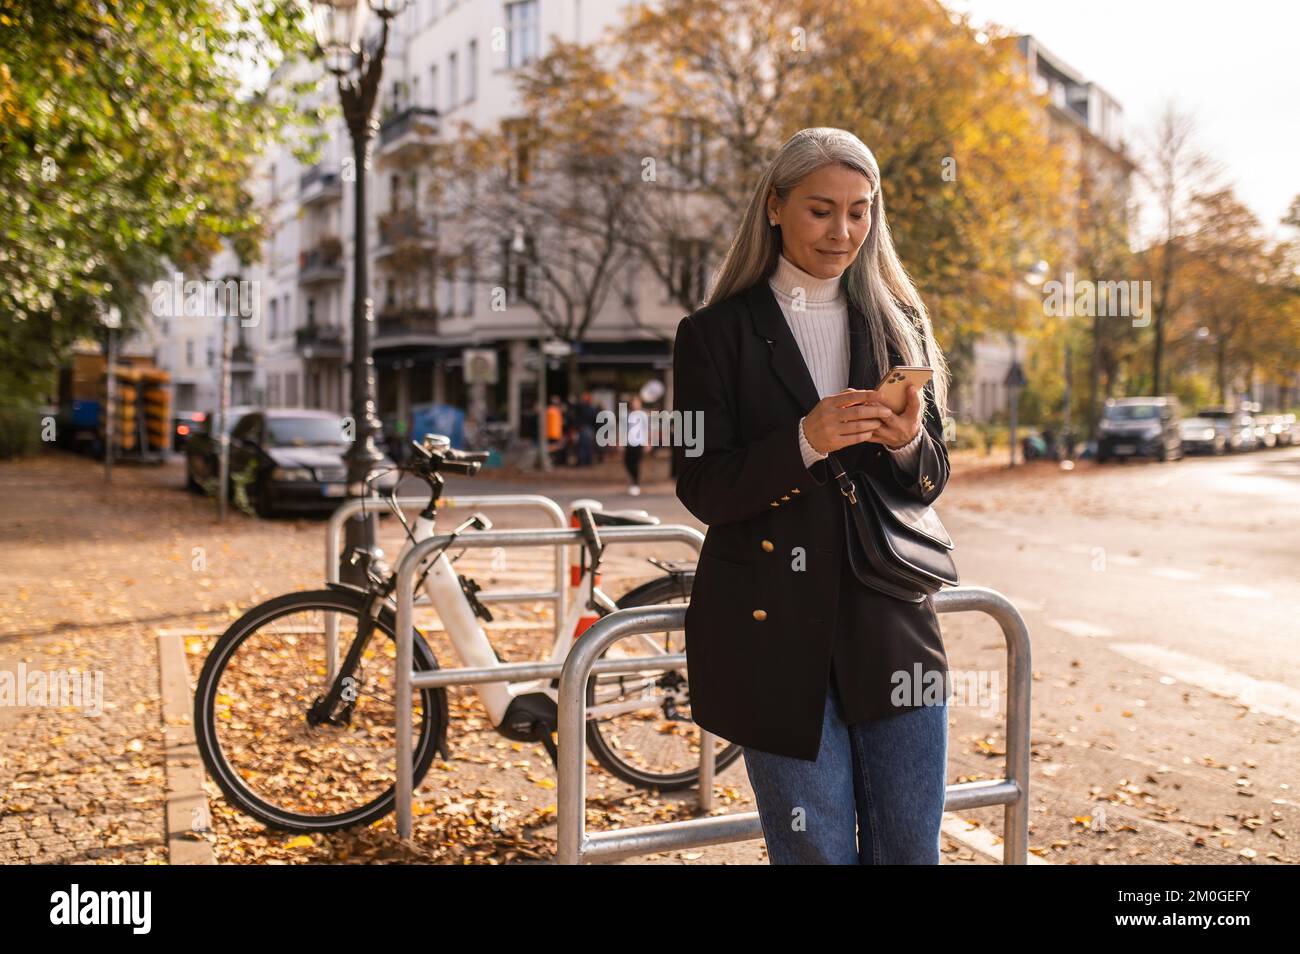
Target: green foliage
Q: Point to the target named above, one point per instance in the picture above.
(126, 140)
(240, 480)
(20, 430)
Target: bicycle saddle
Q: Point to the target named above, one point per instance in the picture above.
(623, 518)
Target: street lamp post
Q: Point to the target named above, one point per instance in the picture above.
(1034, 275)
(339, 29)
(112, 320)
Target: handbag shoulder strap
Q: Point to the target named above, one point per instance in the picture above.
(847, 487)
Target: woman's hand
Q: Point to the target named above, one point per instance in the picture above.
(854, 415)
(896, 430)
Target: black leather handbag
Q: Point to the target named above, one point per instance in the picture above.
(897, 545)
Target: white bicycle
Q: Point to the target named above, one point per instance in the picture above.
(300, 751)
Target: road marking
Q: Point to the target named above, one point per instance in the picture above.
(1173, 573)
(1244, 592)
(1026, 605)
(1273, 698)
(1079, 627)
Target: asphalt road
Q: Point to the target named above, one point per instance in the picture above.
(1163, 602)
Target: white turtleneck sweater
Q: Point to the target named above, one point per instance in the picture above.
(817, 311)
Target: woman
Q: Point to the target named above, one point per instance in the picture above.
(821, 680)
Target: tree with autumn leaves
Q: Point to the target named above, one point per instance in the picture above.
(643, 145)
(647, 142)
(127, 138)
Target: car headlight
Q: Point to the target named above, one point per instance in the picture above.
(1209, 434)
(291, 473)
(1152, 430)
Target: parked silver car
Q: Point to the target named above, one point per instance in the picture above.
(1236, 426)
(1200, 436)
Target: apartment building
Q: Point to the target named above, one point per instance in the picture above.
(445, 61)
(1088, 124)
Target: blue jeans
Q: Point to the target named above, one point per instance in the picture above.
(883, 777)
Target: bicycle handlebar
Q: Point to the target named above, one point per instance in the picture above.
(435, 456)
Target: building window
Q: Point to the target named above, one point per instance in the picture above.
(687, 149)
(471, 72)
(189, 353)
(311, 312)
(516, 276)
(291, 389)
(521, 33)
(453, 80)
(275, 318)
(519, 156)
(470, 273)
(687, 269)
(433, 86)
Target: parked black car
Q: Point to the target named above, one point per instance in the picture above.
(294, 458)
(185, 424)
(1140, 427)
(201, 446)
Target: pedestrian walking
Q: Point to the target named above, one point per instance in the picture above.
(555, 429)
(638, 436)
(790, 655)
(587, 419)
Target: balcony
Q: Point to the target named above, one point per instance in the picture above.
(318, 186)
(412, 131)
(322, 264)
(242, 359)
(399, 325)
(406, 231)
(319, 341)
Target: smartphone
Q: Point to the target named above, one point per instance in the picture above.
(892, 390)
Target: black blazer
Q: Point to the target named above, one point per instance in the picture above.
(774, 602)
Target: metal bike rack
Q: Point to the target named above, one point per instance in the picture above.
(576, 845)
(470, 501)
(408, 679)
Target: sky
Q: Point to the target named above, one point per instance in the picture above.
(1235, 66)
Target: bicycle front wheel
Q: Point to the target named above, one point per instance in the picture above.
(258, 725)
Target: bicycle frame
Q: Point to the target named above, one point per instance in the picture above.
(474, 650)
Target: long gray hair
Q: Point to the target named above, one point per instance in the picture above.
(876, 281)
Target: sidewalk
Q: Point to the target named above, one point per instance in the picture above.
(91, 577)
(655, 477)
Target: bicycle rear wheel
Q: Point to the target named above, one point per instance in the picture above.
(260, 742)
(639, 725)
